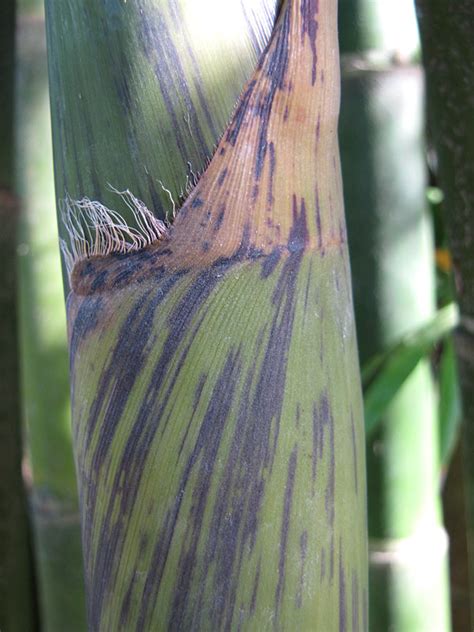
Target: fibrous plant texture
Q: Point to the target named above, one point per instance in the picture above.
(215, 386)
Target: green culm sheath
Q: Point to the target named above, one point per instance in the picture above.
(217, 410)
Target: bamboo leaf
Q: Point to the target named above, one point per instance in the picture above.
(384, 375)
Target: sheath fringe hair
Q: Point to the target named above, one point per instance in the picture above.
(95, 230)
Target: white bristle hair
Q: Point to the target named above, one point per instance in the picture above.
(95, 230)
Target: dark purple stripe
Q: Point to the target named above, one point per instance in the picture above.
(303, 553)
(355, 602)
(309, 9)
(285, 526)
(342, 592)
(354, 453)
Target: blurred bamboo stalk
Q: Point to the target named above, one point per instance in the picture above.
(17, 602)
(390, 239)
(43, 343)
(447, 30)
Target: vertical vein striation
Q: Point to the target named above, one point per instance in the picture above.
(215, 431)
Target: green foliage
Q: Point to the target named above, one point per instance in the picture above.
(383, 375)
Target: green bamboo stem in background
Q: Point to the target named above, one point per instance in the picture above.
(17, 601)
(447, 30)
(44, 357)
(390, 238)
(216, 399)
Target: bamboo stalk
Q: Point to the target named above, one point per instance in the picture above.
(390, 236)
(216, 399)
(447, 32)
(17, 605)
(169, 75)
(43, 342)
